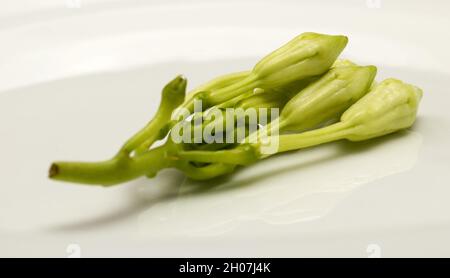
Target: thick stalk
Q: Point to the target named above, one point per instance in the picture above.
(110, 172)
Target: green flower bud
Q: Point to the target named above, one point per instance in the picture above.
(173, 94)
(327, 98)
(391, 106)
(306, 55)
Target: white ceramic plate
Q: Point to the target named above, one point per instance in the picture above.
(77, 78)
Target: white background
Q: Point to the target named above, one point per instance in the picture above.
(78, 77)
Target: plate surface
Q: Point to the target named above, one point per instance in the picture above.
(78, 79)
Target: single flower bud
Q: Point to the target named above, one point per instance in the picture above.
(173, 94)
(326, 99)
(306, 55)
(391, 106)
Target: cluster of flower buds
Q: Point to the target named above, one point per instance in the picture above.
(303, 94)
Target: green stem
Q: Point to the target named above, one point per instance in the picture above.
(226, 93)
(289, 142)
(146, 136)
(173, 95)
(277, 125)
(219, 82)
(248, 153)
(233, 101)
(241, 155)
(221, 95)
(205, 172)
(110, 172)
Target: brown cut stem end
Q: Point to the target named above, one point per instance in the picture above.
(53, 171)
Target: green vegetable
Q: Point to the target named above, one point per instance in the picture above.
(338, 85)
(390, 106)
(321, 99)
(327, 98)
(307, 55)
(259, 99)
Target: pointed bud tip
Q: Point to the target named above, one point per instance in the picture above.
(372, 70)
(418, 91)
(341, 41)
(181, 78)
(178, 83)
